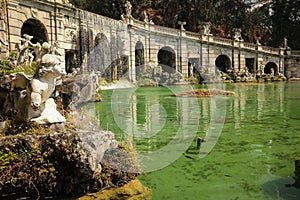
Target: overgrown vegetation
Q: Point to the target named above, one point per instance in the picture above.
(51, 164)
(8, 66)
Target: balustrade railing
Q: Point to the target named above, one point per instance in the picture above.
(192, 35)
(138, 23)
(210, 38)
(166, 30)
(250, 46)
(295, 53)
(220, 40)
(270, 50)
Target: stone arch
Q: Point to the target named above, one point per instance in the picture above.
(35, 28)
(139, 56)
(269, 67)
(223, 63)
(167, 58)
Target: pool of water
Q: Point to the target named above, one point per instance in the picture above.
(253, 139)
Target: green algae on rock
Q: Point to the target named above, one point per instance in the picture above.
(59, 163)
(133, 190)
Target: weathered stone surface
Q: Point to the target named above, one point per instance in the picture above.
(152, 75)
(79, 89)
(52, 163)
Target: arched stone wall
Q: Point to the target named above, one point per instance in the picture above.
(271, 68)
(167, 58)
(223, 63)
(67, 25)
(35, 28)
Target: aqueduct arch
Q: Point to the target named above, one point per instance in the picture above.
(167, 58)
(223, 63)
(269, 67)
(75, 29)
(35, 28)
(101, 53)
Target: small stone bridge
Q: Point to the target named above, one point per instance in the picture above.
(113, 47)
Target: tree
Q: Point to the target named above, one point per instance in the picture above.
(286, 22)
(224, 15)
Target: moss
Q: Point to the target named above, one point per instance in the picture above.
(133, 190)
(23, 168)
(24, 128)
(41, 162)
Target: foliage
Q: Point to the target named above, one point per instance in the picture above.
(23, 169)
(8, 67)
(52, 163)
(286, 22)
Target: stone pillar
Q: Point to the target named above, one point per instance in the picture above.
(236, 60)
(153, 51)
(184, 57)
(131, 72)
(15, 24)
(4, 46)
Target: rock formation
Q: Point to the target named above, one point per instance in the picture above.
(43, 154)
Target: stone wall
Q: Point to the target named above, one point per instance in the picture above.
(78, 33)
(293, 69)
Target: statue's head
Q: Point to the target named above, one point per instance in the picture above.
(51, 64)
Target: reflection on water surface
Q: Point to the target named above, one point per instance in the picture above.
(252, 159)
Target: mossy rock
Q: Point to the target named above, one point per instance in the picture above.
(134, 190)
(55, 164)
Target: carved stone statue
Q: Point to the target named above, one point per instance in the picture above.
(206, 28)
(128, 7)
(23, 48)
(237, 34)
(146, 18)
(42, 107)
(28, 98)
(125, 17)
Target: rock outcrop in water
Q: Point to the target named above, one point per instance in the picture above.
(206, 93)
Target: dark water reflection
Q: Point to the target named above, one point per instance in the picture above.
(257, 135)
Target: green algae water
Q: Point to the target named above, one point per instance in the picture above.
(253, 157)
